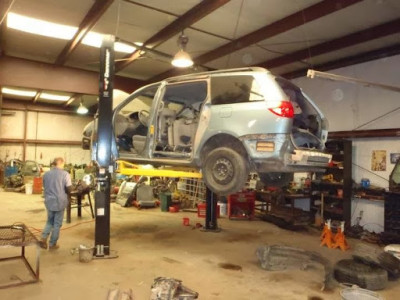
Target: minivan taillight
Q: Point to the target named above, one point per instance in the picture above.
(283, 109)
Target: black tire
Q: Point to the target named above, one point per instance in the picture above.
(276, 179)
(365, 276)
(225, 171)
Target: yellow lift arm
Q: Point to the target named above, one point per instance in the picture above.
(127, 168)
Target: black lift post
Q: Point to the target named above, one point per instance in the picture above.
(211, 212)
(103, 153)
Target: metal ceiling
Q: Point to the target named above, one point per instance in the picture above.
(285, 36)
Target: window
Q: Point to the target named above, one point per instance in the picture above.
(235, 89)
(142, 101)
(189, 94)
(133, 119)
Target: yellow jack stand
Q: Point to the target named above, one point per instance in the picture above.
(340, 239)
(326, 236)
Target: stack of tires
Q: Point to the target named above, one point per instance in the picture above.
(370, 268)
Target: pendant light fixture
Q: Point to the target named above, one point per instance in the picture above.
(182, 59)
(82, 110)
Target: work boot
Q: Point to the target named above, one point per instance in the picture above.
(43, 243)
(54, 247)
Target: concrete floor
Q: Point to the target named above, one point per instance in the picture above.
(151, 244)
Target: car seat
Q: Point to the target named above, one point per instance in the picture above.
(165, 120)
(182, 132)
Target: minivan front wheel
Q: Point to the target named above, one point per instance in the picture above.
(225, 171)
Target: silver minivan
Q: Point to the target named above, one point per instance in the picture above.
(226, 123)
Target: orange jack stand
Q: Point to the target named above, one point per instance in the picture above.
(340, 240)
(326, 236)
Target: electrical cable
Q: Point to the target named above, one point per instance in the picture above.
(310, 64)
(38, 231)
(6, 12)
(370, 172)
(235, 31)
(377, 118)
(118, 18)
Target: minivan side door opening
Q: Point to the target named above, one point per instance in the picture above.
(132, 123)
(178, 118)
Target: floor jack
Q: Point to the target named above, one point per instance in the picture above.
(103, 151)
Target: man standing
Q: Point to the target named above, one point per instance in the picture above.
(57, 185)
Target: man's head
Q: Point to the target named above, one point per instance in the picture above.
(58, 162)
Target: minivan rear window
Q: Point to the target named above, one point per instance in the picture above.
(234, 89)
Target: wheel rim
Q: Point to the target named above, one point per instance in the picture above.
(223, 170)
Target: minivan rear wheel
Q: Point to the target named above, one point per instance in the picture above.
(225, 171)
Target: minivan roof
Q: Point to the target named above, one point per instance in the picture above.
(204, 74)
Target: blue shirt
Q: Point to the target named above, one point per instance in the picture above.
(55, 183)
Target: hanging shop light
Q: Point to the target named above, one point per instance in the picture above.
(82, 110)
(182, 59)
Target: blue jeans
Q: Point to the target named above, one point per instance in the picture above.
(53, 225)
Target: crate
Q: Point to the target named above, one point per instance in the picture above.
(241, 205)
(201, 210)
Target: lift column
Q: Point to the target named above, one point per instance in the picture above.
(103, 153)
(211, 212)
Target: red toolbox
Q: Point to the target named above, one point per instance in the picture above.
(241, 205)
(201, 210)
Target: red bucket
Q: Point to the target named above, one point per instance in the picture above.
(186, 221)
(174, 208)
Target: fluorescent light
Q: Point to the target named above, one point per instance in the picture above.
(122, 47)
(54, 97)
(82, 110)
(95, 39)
(182, 60)
(36, 26)
(59, 31)
(24, 93)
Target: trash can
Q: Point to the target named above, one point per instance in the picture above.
(28, 188)
(166, 201)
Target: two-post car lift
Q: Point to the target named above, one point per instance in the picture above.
(106, 165)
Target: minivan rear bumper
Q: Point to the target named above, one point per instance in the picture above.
(276, 153)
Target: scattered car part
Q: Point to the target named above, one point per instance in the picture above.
(369, 277)
(164, 288)
(393, 249)
(145, 197)
(277, 258)
(355, 292)
(124, 193)
(117, 294)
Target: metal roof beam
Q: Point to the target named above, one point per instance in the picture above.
(193, 15)
(88, 22)
(336, 44)
(299, 18)
(43, 76)
(348, 61)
